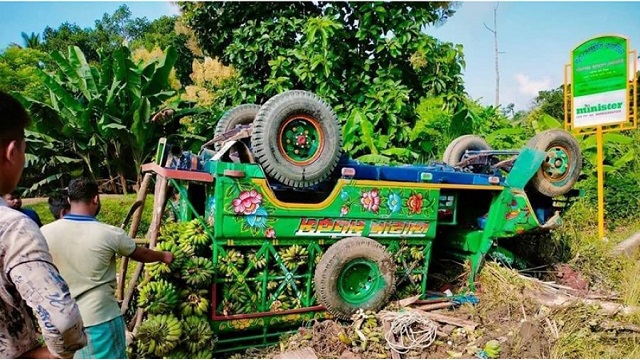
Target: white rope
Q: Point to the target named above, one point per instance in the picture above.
(410, 330)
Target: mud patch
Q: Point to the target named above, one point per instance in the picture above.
(567, 276)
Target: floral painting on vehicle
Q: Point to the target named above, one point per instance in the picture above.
(251, 210)
(387, 203)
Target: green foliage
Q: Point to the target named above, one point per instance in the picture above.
(113, 30)
(47, 163)
(213, 23)
(31, 41)
(432, 132)
(161, 33)
(551, 102)
(370, 61)
(68, 34)
(437, 127)
(622, 200)
(18, 68)
(104, 115)
(109, 34)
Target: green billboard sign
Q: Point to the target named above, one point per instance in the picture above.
(600, 73)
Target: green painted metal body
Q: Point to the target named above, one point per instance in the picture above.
(266, 249)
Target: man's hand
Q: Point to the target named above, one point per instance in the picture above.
(167, 257)
(38, 353)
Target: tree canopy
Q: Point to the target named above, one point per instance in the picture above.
(371, 61)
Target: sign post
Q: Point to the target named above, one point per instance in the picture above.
(600, 170)
(600, 96)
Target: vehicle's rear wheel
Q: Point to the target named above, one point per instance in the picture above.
(297, 138)
(239, 115)
(457, 148)
(355, 273)
(562, 164)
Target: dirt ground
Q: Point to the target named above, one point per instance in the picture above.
(504, 315)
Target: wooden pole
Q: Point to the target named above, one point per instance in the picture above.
(137, 216)
(159, 202)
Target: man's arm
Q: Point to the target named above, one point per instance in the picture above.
(38, 353)
(28, 266)
(125, 246)
(47, 294)
(144, 255)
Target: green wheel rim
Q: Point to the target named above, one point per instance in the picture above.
(359, 281)
(556, 164)
(300, 140)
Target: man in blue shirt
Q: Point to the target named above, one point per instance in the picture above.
(14, 201)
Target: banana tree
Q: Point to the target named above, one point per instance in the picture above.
(106, 112)
(44, 156)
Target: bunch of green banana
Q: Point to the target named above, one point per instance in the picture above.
(158, 335)
(198, 272)
(399, 255)
(202, 354)
(159, 269)
(157, 297)
(289, 287)
(294, 256)
(196, 334)
(237, 300)
(408, 290)
(492, 349)
(178, 354)
(257, 262)
(194, 234)
(272, 284)
(170, 231)
(229, 307)
(193, 302)
(286, 301)
(416, 253)
(232, 257)
(365, 330)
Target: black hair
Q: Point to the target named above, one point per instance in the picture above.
(13, 119)
(14, 193)
(82, 189)
(57, 203)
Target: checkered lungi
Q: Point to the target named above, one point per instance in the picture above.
(105, 341)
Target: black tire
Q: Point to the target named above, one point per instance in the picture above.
(544, 181)
(454, 152)
(239, 115)
(274, 117)
(341, 256)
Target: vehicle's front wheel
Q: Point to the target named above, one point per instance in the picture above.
(355, 273)
(562, 164)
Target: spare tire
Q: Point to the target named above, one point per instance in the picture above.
(239, 115)
(456, 149)
(562, 164)
(355, 273)
(297, 138)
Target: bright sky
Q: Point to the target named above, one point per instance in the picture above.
(535, 36)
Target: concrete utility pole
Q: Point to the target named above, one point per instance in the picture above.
(495, 42)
